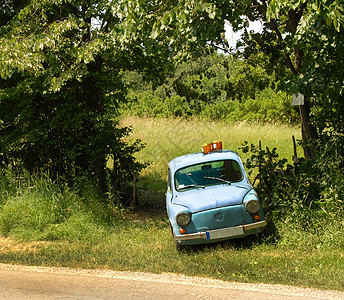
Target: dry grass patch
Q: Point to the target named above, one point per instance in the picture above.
(9, 245)
(166, 139)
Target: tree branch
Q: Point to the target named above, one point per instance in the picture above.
(282, 43)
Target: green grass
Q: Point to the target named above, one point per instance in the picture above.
(166, 139)
(145, 245)
(42, 223)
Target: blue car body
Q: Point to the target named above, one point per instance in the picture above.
(209, 199)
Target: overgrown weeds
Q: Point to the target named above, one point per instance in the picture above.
(77, 227)
(304, 200)
(33, 207)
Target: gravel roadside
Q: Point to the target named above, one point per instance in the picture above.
(178, 279)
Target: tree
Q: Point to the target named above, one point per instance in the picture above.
(61, 62)
(303, 28)
(210, 77)
(59, 89)
(291, 33)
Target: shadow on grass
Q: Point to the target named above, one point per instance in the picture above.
(268, 237)
(151, 192)
(236, 244)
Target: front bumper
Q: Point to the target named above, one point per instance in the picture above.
(222, 233)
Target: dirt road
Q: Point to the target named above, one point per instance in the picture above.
(22, 282)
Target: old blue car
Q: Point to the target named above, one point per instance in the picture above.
(209, 198)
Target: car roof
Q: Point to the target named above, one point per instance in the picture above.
(199, 157)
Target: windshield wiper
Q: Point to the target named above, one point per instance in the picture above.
(190, 186)
(218, 179)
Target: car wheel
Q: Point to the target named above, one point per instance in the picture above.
(178, 244)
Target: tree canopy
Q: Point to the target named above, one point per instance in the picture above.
(211, 87)
(302, 40)
(60, 87)
(61, 64)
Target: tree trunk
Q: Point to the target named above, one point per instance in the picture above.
(309, 133)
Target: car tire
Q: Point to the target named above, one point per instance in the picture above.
(178, 244)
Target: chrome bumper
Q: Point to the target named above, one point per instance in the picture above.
(221, 233)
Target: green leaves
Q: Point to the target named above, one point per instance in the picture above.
(54, 55)
(331, 11)
(59, 88)
(18, 57)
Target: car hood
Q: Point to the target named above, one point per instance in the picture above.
(212, 197)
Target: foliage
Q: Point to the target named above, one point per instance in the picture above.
(213, 87)
(300, 39)
(62, 61)
(217, 76)
(33, 207)
(60, 88)
(174, 30)
(308, 40)
(307, 195)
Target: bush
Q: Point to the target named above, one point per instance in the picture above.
(268, 106)
(301, 199)
(151, 105)
(34, 207)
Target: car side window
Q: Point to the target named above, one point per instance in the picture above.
(169, 181)
(231, 171)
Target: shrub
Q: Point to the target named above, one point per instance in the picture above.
(35, 207)
(267, 106)
(303, 198)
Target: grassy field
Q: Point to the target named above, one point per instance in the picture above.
(166, 139)
(143, 243)
(42, 225)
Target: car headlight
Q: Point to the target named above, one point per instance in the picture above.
(252, 206)
(183, 218)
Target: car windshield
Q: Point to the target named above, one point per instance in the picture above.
(209, 173)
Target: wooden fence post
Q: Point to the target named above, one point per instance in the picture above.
(294, 158)
(134, 201)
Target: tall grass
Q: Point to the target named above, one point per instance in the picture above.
(84, 230)
(33, 207)
(166, 139)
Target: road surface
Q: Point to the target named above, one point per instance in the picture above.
(22, 282)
